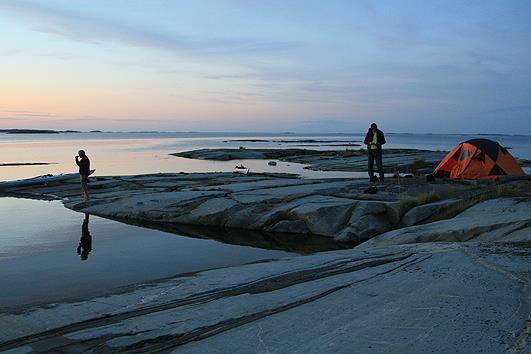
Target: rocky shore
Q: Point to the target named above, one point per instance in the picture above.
(280, 203)
(441, 267)
(275, 203)
(443, 297)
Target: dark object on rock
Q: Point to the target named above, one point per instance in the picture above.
(371, 190)
(272, 163)
(430, 177)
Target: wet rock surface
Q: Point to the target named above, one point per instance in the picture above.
(427, 297)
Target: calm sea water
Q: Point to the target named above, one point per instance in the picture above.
(39, 261)
(134, 153)
(39, 239)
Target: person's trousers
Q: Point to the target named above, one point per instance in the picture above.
(84, 186)
(375, 154)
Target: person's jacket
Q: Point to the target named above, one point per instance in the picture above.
(84, 166)
(380, 137)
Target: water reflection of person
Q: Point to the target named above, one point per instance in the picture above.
(85, 242)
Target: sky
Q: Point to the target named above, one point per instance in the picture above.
(266, 65)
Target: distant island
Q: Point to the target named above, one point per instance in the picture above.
(28, 131)
(42, 131)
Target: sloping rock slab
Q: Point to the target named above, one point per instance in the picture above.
(326, 216)
(425, 211)
(368, 219)
(485, 220)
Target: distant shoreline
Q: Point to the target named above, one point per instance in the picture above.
(12, 164)
(36, 131)
(43, 131)
(239, 133)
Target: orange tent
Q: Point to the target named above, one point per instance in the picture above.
(478, 159)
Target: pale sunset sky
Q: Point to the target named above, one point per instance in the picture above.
(266, 65)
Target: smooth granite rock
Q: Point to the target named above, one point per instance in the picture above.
(324, 217)
(502, 219)
(290, 226)
(451, 298)
(337, 208)
(425, 211)
(211, 212)
(459, 285)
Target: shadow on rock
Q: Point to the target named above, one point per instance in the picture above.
(289, 242)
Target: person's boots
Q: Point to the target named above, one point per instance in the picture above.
(381, 179)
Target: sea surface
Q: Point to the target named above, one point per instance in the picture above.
(39, 262)
(135, 153)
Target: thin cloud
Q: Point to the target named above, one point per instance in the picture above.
(21, 111)
(26, 115)
(327, 122)
(35, 115)
(227, 76)
(11, 118)
(89, 29)
(22, 115)
(512, 109)
(103, 119)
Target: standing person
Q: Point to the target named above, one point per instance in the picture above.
(84, 171)
(374, 141)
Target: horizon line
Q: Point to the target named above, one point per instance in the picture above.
(95, 131)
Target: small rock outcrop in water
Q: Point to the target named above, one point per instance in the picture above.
(327, 160)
